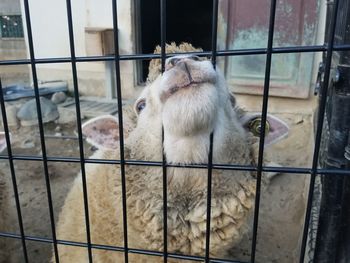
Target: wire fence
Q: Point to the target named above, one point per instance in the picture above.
(117, 58)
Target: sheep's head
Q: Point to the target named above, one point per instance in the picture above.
(185, 97)
(189, 100)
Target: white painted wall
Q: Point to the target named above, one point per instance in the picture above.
(51, 39)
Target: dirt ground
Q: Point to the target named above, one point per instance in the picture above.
(282, 201)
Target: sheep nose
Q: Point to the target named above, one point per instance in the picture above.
(179, 61)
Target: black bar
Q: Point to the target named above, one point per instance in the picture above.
(116, 248)
(322, 108)
(211, 138)
(163, 33)
(13, 175)
(247, 168)
(214, 32)
(164, 162)
(80, 134)
(209, 166)
(236, 52)
(41, 127)
(263, 126)
(333, 217)
(120, 121)
(209, 186)
(165, 203)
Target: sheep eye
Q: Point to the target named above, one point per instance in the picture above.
(140, 106)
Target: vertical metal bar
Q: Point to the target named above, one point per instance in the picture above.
(211, 139)
(164, 167)
(263, 126)
(80, 134)
(163, 32)
(322, 108)
(13, 175)
(120, 120)
(165, 205)
(214, 32)
(209, 183)
(41, 127)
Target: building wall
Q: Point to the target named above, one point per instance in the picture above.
(10, 7)
(90, 18)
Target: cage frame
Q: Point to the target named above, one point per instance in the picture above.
(313, 171)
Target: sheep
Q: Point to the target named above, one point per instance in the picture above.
(190, 101)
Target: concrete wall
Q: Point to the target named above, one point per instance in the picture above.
(10, 7)
(51, 39)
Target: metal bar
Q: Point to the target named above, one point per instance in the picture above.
(163, 54)
(80, 134)
(263, 126)
(322, 109)
(41, 127)
(211, 138)
(235, 52)
(120, 121)
(209, 166)
(13, 175)
(209, 191)
(164, 162)
(333, 217)
(277, 169)
(116, 248)
(214, 32)
(165, 203)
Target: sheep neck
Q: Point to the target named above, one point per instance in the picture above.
(187, 149)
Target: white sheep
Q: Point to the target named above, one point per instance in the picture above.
(190, 100)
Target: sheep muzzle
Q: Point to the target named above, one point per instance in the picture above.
(184, 72)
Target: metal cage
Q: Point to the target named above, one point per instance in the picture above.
(328, 48)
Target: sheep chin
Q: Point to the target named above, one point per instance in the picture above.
(191, 110)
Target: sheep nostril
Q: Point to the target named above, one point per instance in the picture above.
(195, 58)
(171, 62)
(174, 61)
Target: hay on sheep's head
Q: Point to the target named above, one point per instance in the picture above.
(154, 68)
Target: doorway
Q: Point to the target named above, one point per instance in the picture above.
(186, 21)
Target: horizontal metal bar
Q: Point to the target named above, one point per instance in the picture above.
(115, 248)
(235, 52)
(235, 167)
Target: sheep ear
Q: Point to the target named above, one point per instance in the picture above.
(277, 129)
(2, 141)
(103, 132)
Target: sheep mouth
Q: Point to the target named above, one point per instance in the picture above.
(186, 75)
(185, 86)
(175, 89)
